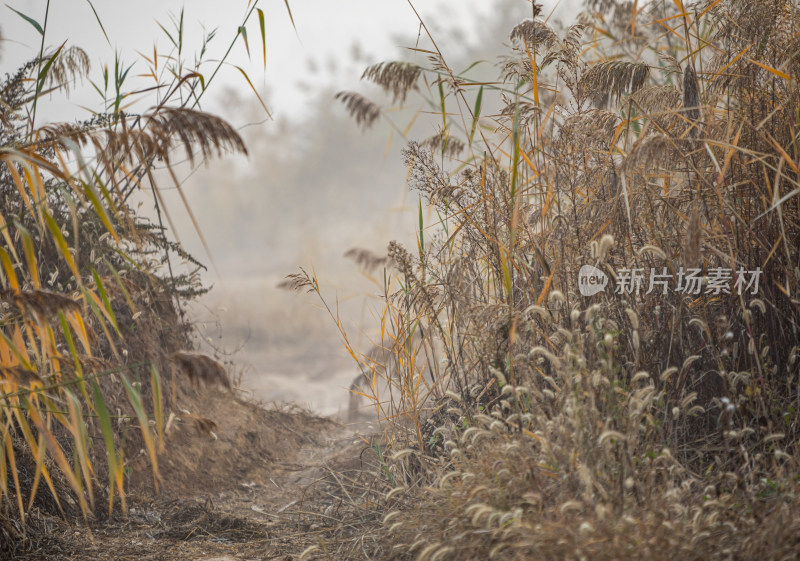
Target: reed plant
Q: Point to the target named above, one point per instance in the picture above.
(649, 140)
(93, 290)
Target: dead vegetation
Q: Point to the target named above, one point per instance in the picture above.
(656, 419)
(92, 292)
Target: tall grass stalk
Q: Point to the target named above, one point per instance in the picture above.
(88, 316)
(656, 422)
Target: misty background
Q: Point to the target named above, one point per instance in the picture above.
(314, 184)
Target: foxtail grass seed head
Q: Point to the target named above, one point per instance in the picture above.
(606, 243)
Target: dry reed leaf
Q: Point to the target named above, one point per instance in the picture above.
(71, 64)
(657, 99)
(366, 259)
(362, 109)
(596, 124)
(534, 33)
(606, 82)
(691, 98)
(397, 78)
(153, 135)
(401, 258)
(298, 281)
(445, 144)
(194, 129)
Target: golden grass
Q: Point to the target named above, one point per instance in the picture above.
(89, 313)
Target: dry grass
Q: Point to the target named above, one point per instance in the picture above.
(522, 419)
(91, 305)
(633, 423)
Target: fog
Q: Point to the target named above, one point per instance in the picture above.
(312, 186)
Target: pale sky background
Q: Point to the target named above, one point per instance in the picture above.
(327, 32)
(313, 186)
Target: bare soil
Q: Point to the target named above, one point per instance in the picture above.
(257, 482)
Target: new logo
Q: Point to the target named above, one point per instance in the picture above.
(591, 280)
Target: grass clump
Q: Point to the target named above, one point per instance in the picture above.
(91, 304)
(653, 142)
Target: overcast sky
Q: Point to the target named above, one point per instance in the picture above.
(327, 35)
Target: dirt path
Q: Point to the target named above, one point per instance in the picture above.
(261, 484)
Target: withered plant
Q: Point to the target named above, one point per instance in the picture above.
(658, 418)
(92, 293)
